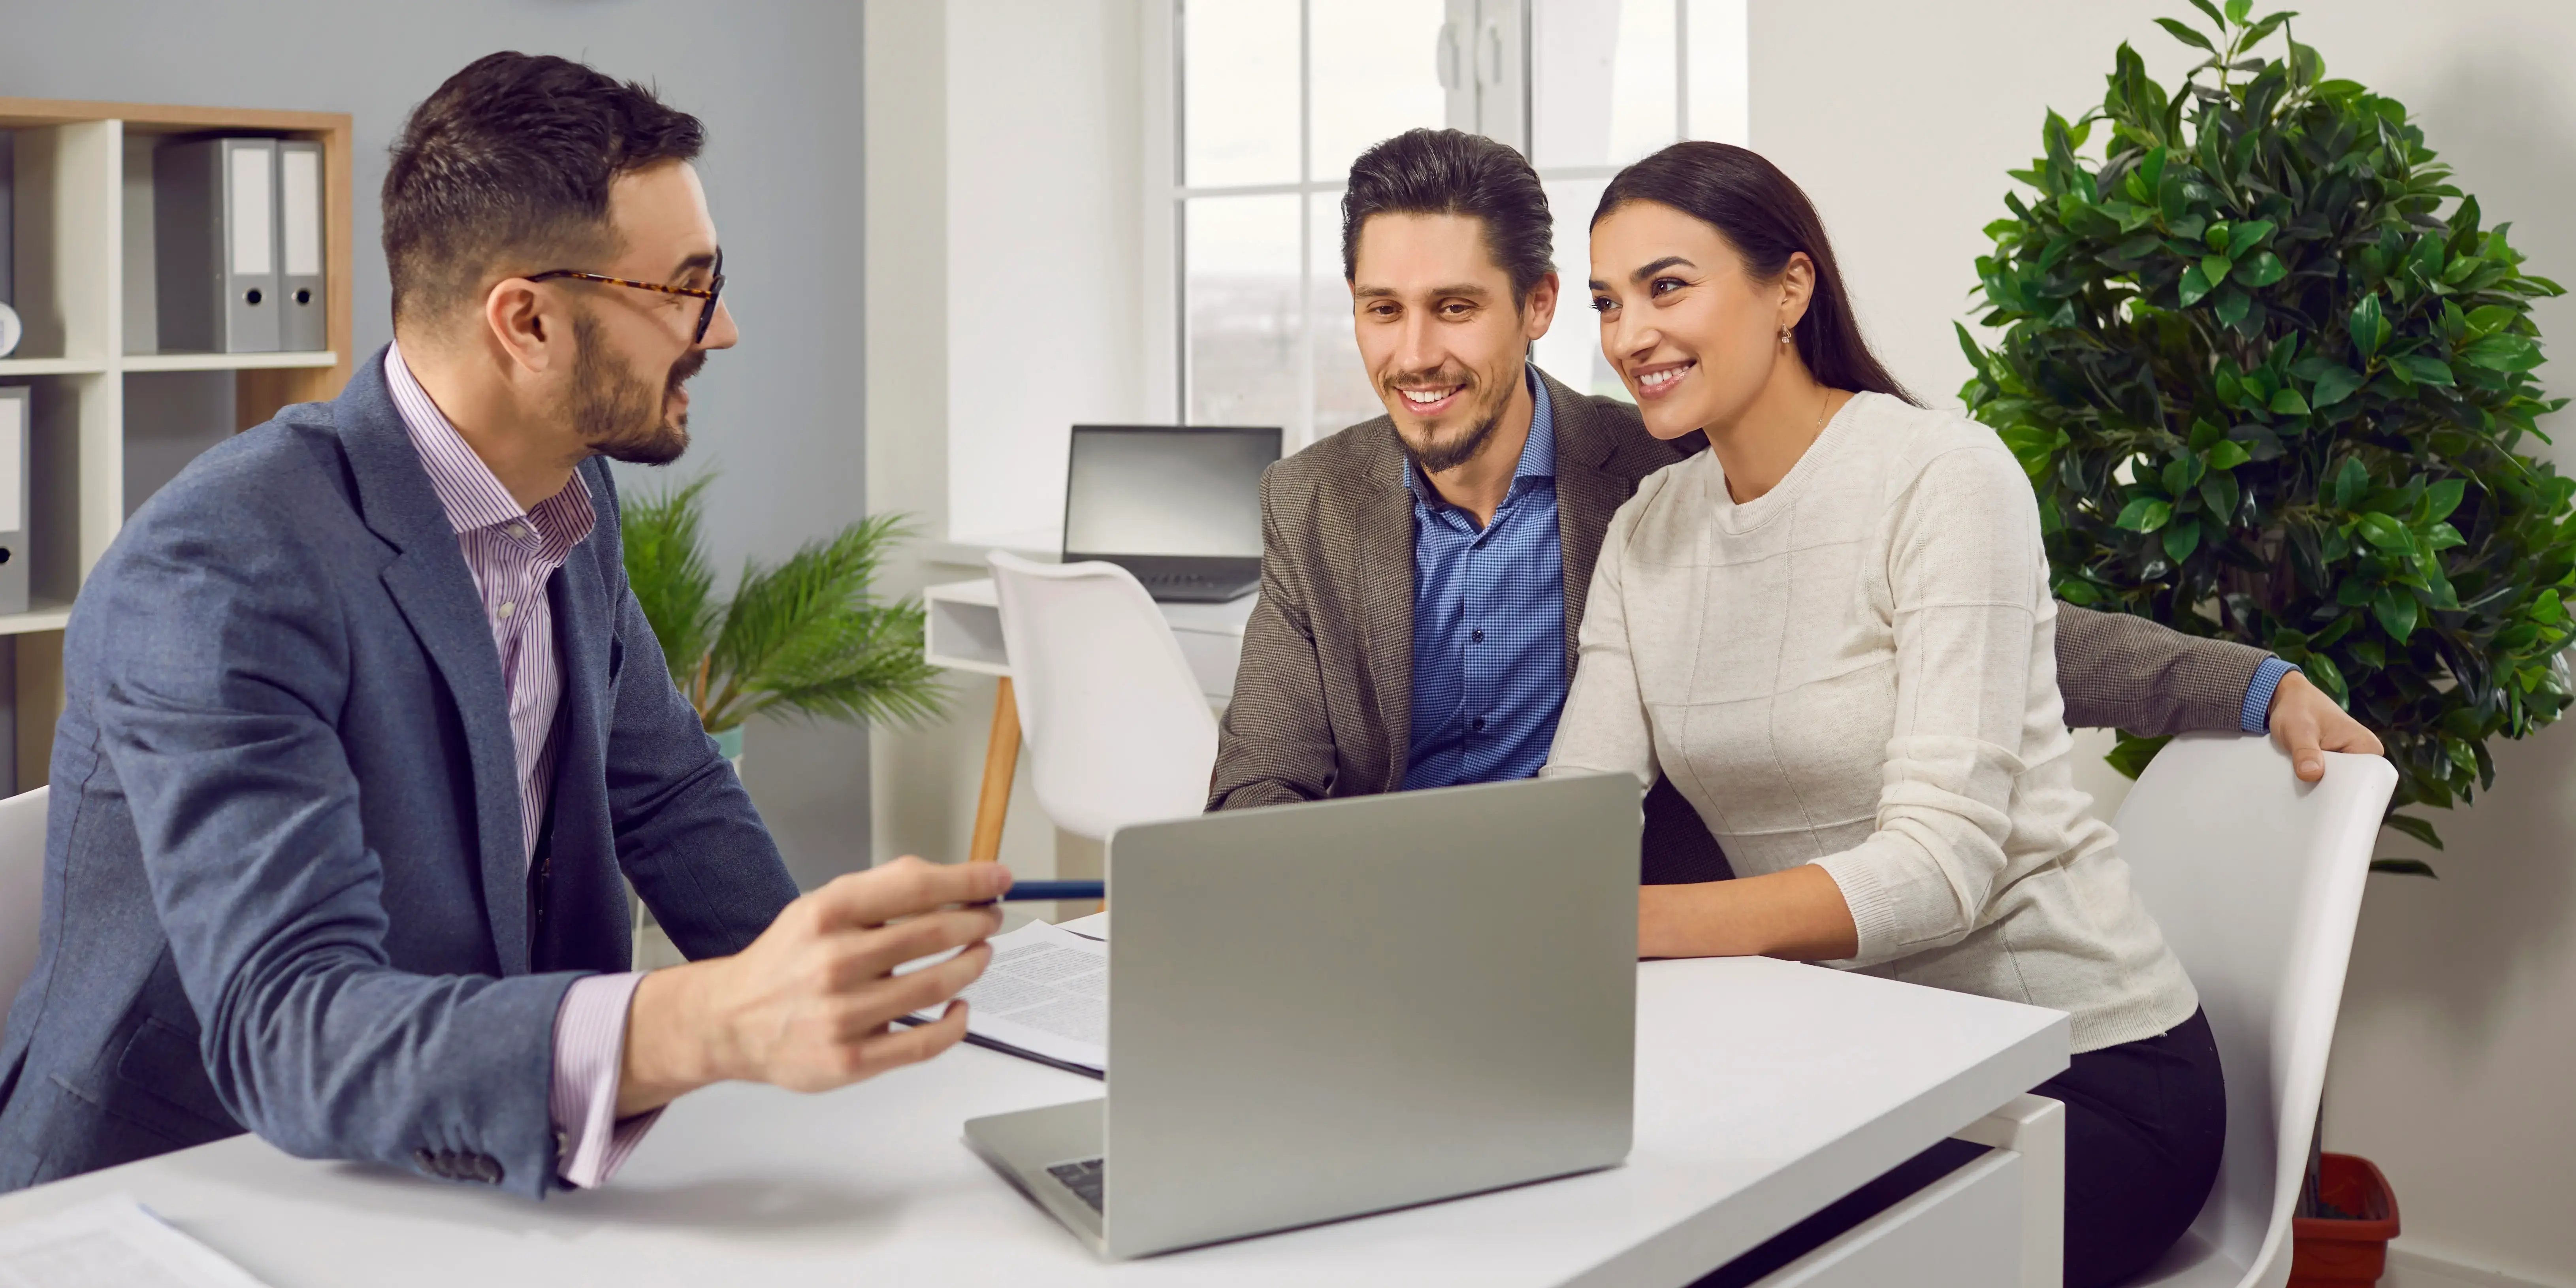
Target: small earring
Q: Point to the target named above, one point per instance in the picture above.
(1784, 333)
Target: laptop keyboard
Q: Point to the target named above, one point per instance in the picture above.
(1084, 1177)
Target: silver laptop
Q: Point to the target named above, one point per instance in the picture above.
(1319, 1011)
(1178, 507)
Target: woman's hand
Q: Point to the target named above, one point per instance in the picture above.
(1798, 914)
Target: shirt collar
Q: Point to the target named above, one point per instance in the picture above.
(1538, 455)
(468, 491)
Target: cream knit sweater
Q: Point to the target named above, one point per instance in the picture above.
(1858, 670)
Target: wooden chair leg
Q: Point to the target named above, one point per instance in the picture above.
(1001, 763)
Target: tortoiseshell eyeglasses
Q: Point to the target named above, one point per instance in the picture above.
(708, 292)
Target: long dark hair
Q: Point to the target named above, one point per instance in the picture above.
(1766, 218)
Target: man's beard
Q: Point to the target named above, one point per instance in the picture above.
(618, 413)
(1440, 458)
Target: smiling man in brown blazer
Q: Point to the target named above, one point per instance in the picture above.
(1423, 573)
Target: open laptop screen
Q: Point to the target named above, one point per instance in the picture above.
(1145, 490)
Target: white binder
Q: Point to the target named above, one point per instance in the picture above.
(215, 237)
(303, 321)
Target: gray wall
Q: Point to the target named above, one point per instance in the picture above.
(778, 84)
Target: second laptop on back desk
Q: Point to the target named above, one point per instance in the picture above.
(1178, 507)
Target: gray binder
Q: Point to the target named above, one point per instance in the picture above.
(15, 424)
(303, 322)
(214, 203)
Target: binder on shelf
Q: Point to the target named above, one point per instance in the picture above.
(214, 205)
(8, 252)
(303, 321)
(16, 423)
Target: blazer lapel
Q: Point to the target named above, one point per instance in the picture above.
(1588, 492)
(430, 583)
(1384, 531)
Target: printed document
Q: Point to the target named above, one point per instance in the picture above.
(112, 1242)
(1046, 993)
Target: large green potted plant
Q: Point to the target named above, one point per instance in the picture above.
(2270, 377)
(807, 638)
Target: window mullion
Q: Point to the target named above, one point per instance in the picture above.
(1296, 435)
(1180, 212)
(1681, 69)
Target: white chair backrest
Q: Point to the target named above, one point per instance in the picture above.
(22, 887)
(1118, 730)
(2256, 879)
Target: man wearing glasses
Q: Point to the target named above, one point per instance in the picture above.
(364, 725)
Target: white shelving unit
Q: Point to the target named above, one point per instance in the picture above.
(227, 361)
(77, 250)
(51, 367)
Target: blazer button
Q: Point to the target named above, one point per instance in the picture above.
(426, 1161)
(487, 1169)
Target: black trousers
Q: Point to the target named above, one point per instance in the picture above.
(2144, 1124)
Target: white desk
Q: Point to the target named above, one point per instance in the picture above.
(963, 632)
(1764, 1091)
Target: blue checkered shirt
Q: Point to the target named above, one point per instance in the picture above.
(1488, 625)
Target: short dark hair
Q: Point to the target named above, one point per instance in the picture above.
(1451, 172)
(1766, 216)
(511, 161)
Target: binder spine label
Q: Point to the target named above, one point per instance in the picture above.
(250, 212)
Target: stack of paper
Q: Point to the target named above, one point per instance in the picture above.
(1045, 996)
(112, 1242)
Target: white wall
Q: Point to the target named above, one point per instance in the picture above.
(2459, 1023)
(1045, 240)
(981, 265)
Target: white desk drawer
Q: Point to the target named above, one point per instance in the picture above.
(1964, 1231)
(1213, 658)
(963, 635)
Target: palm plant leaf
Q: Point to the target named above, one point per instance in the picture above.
(866, 666)
(809, 636)
(666, 566)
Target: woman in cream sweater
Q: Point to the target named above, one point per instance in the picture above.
(1833, 631)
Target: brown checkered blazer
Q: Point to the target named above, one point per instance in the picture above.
(1323, 700)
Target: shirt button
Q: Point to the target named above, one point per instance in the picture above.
(1476, 725)
(504, 611)
(1477, 635)
(519, 530)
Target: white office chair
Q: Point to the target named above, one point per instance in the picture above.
(22, 888)
(2256, 879)
(1117, 728)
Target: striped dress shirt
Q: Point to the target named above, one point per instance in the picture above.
(513, 553)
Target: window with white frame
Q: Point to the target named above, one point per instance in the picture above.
(1275, 99)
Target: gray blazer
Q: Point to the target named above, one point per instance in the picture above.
(285, 887)
(1323, 700)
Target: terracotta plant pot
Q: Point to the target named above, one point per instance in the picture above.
(2330, 1252)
